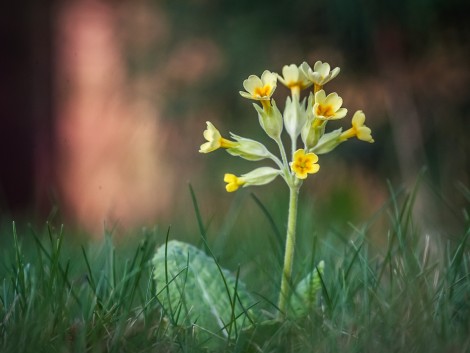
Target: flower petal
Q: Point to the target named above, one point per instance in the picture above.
(312, 157)
(340, 113)
(320, 96)
(206, 147)
(301, 175)
(334, 100)
(246, 95)
(316, 77)
(315, 168)
(233, 182)
(211, 133)
(364, 134)
(334, 73)
(269, 78)
(323, 69)
(290, 74)
(298, 154)
(358, 119)
(304, 68)
(251, 83)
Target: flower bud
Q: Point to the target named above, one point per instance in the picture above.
(260, 176)
(270, 120)
(295, 117)
(248, 149)
(311, 133)
(328, 142)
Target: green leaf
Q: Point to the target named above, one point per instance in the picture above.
(195, 291)
(305, 294)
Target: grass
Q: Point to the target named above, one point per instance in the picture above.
(410, 295)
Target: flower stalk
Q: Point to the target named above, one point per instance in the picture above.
(286, 280)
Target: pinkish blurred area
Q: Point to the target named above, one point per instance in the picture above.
(116, 161)
(107, 102)
(109, 160)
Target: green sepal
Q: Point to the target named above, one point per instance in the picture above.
(328, 142)
(248, 149)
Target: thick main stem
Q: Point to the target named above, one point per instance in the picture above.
(289, 251)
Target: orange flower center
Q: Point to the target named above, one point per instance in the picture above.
(262, 91)
(325, 110)
(302, 163)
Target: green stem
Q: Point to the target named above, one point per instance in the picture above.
(289, 252)
(293, 147)
(283, 153)
(287, 176)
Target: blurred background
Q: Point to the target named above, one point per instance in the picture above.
(103, 106)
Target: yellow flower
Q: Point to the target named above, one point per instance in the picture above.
(259, 176)
(293, 77)
(304, 163)
(321, 73)
(328, 107)
(233, 182)
(358, 129)
(260, 88)
(215, 140)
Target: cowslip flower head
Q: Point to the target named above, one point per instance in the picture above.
(214, 140)
(294, 78)
(304, 163)
(260, 89)
(321, 73)
(358, 129)
(259, 176)
(328, 107)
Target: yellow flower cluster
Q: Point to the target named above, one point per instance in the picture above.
(305, 118)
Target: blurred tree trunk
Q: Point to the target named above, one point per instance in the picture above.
(25, 105)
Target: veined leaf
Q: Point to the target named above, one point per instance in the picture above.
(195, 291)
